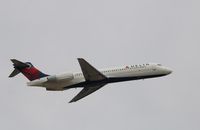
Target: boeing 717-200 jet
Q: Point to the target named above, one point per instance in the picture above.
(90, 79)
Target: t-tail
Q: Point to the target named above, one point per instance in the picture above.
(27, 69)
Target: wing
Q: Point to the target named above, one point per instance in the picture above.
(85, 92)
(89, 72)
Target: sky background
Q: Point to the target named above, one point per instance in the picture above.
(52, 34)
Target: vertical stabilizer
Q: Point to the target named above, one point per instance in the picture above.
(27, 69)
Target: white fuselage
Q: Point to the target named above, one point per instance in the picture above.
(125, 73)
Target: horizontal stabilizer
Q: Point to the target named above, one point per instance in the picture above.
(14, 73)
(19, 64)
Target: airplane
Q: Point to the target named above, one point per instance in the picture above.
(90, 79)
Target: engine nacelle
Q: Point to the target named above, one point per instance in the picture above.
(52, 78)
(62, 77)
(65, 77)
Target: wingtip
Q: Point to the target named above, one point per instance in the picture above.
(80, 58)
(71, 101)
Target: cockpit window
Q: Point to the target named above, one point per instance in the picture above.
(159, 64)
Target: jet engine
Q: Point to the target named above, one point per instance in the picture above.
(52, 78)
(62, 77)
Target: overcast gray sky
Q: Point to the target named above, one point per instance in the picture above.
(53, 33)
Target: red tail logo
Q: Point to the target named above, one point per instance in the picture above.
(32, 73)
